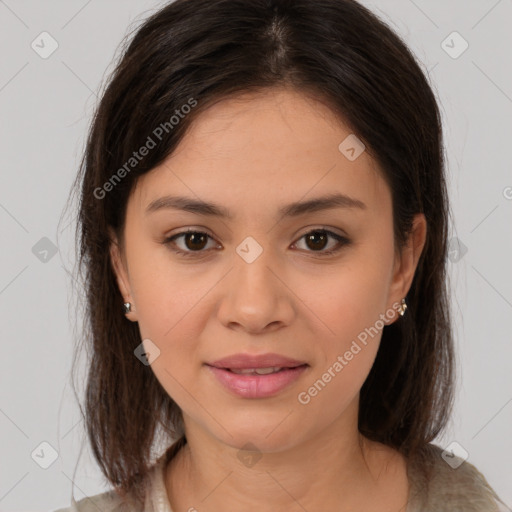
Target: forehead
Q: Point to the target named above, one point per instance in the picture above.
(253, 150)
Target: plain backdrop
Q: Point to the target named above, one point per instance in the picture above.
(45, 110)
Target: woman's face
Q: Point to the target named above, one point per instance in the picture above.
(259, 280)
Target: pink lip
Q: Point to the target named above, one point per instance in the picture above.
(256, 386)
(246, 361)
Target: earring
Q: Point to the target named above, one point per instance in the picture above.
(127, 307)
(402, 308)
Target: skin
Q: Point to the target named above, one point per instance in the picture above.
(252, 154)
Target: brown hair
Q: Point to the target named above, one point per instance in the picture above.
(202, 51)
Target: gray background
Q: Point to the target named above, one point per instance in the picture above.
(45, 108)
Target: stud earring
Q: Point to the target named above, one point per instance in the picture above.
(402, 308)
(127, 307)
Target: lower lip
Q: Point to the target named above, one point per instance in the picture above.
(257, 386)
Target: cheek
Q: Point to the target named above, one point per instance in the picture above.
(173, 309)
(355, 295)
(344, 357)
(169, 308)
(352, 306)
(165, 292)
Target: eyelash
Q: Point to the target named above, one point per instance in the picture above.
(342, 241)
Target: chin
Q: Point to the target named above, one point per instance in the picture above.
(262, 436)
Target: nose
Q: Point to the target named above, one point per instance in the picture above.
(255, 297)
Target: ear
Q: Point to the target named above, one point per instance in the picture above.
(406, 261)
(120, 271)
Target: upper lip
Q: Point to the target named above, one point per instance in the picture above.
(246, 361)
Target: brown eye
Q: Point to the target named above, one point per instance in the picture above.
(317, 241)
(195, 241)
(192, 242)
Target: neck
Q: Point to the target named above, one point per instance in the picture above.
(339, 469)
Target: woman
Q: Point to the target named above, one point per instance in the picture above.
(263, 192)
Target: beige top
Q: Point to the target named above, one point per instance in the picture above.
(463, 489)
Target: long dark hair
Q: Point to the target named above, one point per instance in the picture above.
(197, 52)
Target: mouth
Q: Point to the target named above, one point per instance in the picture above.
(261, 371)
(263, 382)
(264, 363)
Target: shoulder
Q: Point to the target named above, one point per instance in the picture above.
(155, 495)
(449, 484)
(106, 502)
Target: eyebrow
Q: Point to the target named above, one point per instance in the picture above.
(290, 210)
